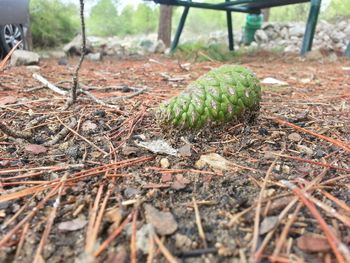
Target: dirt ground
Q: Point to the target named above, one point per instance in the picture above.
(77, 187)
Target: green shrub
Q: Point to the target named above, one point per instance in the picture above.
(200, 51)
(105, 20)
(52, 22)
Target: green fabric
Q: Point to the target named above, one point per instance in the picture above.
(225, 94)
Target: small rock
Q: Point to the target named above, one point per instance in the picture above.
(164, 163)
(89, 126)
(297, 30)
(94, 56)
(163, 222)
(62, 61)
(295, 137)
(166, 178)
(268, 224)
(314, 55)
(177, 185)
(185, 151)
(277, 168)
(131, 192)
(332, 57)
(320, 153)
(35, 148)
(313, 243)
(74, 152)
(24, 57)
(142, 238)
(129, 150)
(261, 36)
(182, 242)
(273, 81)
(72, 225)
(4, 205)
(214, 160)
(74, 47)
(160, 47)
(286, 169)
(305, 150)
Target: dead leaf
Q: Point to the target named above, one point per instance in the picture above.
(158, 146)
(35, 148)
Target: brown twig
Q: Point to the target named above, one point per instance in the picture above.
(29, 216)
(169, 257)
(3, 63)
(74, 177)
(114, 234)
(82, 137)
(21, 241)
(90, 235)
(199, 223)
(50, 221)
(15, 134)
(345, 146)
(258, 210)
(282, 239)
(133, 249)
(339, 249)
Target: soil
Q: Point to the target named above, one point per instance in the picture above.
(287, 177)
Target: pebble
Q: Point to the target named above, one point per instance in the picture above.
(185, 151)
(295, 137)
(286, 169)
(131, 192)
(320, 153)
(268, 224)
(163, 222)
(182, 242)
(164, 163)
(305, 150)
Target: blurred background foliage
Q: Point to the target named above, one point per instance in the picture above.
(55, 22)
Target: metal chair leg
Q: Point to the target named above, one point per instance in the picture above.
(310, 26)
(347, 51)
(180, 28)
(230, 30)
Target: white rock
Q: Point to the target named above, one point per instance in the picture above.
(94, 56)
(273, 81)
(74, 47)
(160, 47)
(297, 30)
(261, 36)
(24, 57)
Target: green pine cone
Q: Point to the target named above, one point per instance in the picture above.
(228, 93)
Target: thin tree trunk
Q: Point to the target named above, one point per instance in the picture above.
(266, 14)
(164, 27)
